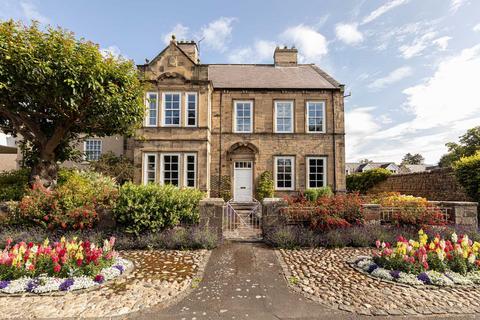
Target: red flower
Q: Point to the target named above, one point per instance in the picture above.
(79, 262)
(57, 268)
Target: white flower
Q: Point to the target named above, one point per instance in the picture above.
(454, 237)
(408, 278)
(439, 279)
(382, 273)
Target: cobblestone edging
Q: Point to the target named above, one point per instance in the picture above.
(324, 276)
(160, 278)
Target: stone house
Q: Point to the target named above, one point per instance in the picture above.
(357, 167)
(218, 127)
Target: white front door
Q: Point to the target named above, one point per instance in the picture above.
(242, 178)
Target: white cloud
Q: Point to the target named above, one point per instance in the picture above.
(394, 76)
(312, 44)
(356, 133)
(348, 33)
(261, 51)
(456, 4)
(383, 9)
(441, 108)
(450, 94)
(112, 51)
(442, 42)
(477, 28)
(217, 34)
(418, 45)
(179, 30)
(31, 12)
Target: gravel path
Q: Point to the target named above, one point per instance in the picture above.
(324, 276)
(159, 277)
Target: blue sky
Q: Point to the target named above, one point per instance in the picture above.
(412, 66)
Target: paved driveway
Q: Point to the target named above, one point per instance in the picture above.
(245, 281)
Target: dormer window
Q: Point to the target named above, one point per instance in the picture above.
(171, 109)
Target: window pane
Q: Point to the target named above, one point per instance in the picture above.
(170, 169)
(316, 174)
(284, 116)
(172, 109)
(243, 117)
(93, 150)
(284, 173)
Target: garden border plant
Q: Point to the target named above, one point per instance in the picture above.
(66, 265)
(437, 262)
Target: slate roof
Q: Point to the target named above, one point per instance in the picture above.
(269, 76)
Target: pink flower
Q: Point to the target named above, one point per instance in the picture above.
(378, 244)
(57, 268)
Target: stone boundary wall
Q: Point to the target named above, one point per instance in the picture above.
(436, 185)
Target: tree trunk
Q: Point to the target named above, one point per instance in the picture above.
(45, 171)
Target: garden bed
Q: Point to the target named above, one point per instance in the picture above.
(58, 286)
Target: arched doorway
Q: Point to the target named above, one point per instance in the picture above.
(241, 156)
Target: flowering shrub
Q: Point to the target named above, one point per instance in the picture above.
(409, 210)
(460, 254)
(327, 213)
(61, 259)
(72, 204)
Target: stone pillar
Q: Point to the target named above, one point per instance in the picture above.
(463, 214)
(211, 215)
(372, 213)
(271, 217)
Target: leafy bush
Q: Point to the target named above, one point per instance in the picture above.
(72, 204)
(327, 213)
(410, 210)
(149, 208)
(363, 181)
(314, 193)
(13, 184)
(467, 171)
(119, 168)
(265, 187)
(290, 237)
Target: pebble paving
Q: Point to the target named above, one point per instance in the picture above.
(159, 277)
(323, 275)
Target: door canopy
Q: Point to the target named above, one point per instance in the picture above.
(244, 150)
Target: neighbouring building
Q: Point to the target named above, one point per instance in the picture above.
(8, 153)
(357, 167)
(218, 127)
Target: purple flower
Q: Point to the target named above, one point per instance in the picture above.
(65, 285)
(424, 278)
(372, 267)
(119, 268)
(4, 284)
(99, 278)
(32, 284)
(395, 274)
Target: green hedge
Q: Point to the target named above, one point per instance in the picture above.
(315, 193)
(363, 181)
(150, 208)
(467, 171)
(13, 184)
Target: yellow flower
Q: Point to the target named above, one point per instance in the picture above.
(46, 242)
(432, 245)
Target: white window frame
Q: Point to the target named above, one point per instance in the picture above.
(85, 148)
(292, 110)
(185, 177)
(307, 116)
(162, 162)
(164, 110)
(324, 171)
(186, 109)
(147, 105)
(236, 102)
(275, 170)
(145, 166)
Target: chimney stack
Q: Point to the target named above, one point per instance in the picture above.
(285, 56)
(190, 48)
